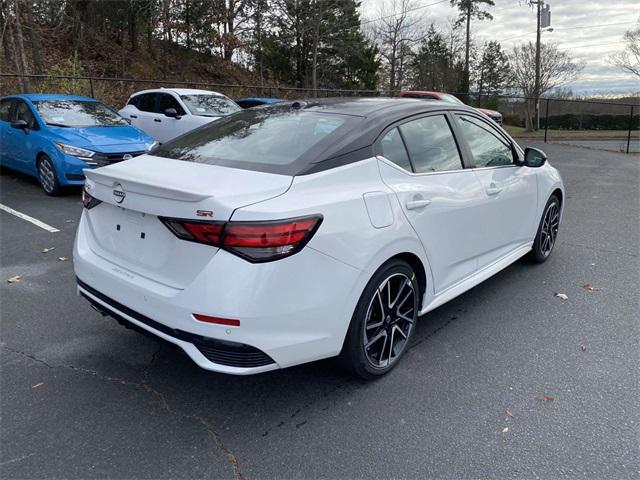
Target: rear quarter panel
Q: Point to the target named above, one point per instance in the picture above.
(347, 233)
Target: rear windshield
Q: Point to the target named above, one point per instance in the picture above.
(78, 113)
(274, 140)
(209, 105)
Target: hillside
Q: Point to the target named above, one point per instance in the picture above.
(107, 56)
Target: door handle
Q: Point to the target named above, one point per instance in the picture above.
(133, 116)
(157, 120)
(493, 190)
(415, 204)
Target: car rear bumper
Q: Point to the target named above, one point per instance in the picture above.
(291, 311)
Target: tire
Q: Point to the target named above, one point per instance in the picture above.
(383, 322)
(547, 234)
(48, 176)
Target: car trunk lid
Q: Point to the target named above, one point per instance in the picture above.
(125, 228)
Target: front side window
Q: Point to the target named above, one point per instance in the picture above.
(431, 144)
(488, 147)
(168, 101)
(264, 140)
(23, 112)
(78, 113)
(393, 149)
(5, 109)
(209, 105)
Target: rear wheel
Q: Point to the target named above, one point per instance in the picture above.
(47, 176)
(383, 322)
(547, 231)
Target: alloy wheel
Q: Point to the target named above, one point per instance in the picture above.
(47, 175)
(391, 315)
(549, 231)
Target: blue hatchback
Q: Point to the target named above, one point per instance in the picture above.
(54, 137)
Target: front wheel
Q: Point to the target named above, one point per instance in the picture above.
(383, 321)
(48, 176)
(547, 231)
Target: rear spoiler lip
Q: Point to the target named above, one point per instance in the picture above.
(144, 188)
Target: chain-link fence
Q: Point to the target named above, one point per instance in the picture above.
(603, 125)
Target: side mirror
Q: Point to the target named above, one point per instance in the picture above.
(172, 113)
(534, 157)
(20, 125)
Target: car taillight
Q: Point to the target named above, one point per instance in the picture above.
(253, 241)
(88, 201)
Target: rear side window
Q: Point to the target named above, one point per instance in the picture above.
(169, 101)
(431, 144)
(275, 140)
(146, 102)
(5, 109)
(393, 149)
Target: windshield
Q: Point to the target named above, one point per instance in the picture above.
(209, 105)
(451, 99)
(78, 113)
(268, 140)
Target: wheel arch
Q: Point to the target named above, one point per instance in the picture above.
(411, 253)
(558, 193)
(416, 264)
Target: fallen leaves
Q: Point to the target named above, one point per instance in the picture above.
(563, 296)
(47, 250)
(63, 259)
(589, 287)
(14, 279)
(545, 398)
(505, 429)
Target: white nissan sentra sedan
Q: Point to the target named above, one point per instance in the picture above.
(311, 229)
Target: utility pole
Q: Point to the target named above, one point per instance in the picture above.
(543, 20)
(536, 88)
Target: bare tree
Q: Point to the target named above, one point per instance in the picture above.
(629, 58)
(556, 69)
(395, 32)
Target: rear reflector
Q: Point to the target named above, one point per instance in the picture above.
(253, 241)
(220, 321)
(88, 201)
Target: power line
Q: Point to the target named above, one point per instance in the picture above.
(591, 45)
(569, 28)
(404, 12)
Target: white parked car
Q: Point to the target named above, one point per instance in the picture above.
(307, 230)
(166, 113)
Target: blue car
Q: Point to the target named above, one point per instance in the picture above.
(54, 137)
(250, 102)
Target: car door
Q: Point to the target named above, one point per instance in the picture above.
(421, 162)
(169, 127)
(144, 113)
(6, 106)
(510, 190)
(20, 145)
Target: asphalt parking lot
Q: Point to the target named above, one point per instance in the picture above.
(506, 381)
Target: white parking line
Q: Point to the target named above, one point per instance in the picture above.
(35, 221)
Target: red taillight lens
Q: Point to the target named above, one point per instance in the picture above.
(88, 201)
(253, 241)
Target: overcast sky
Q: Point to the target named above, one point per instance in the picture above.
(589, 29)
